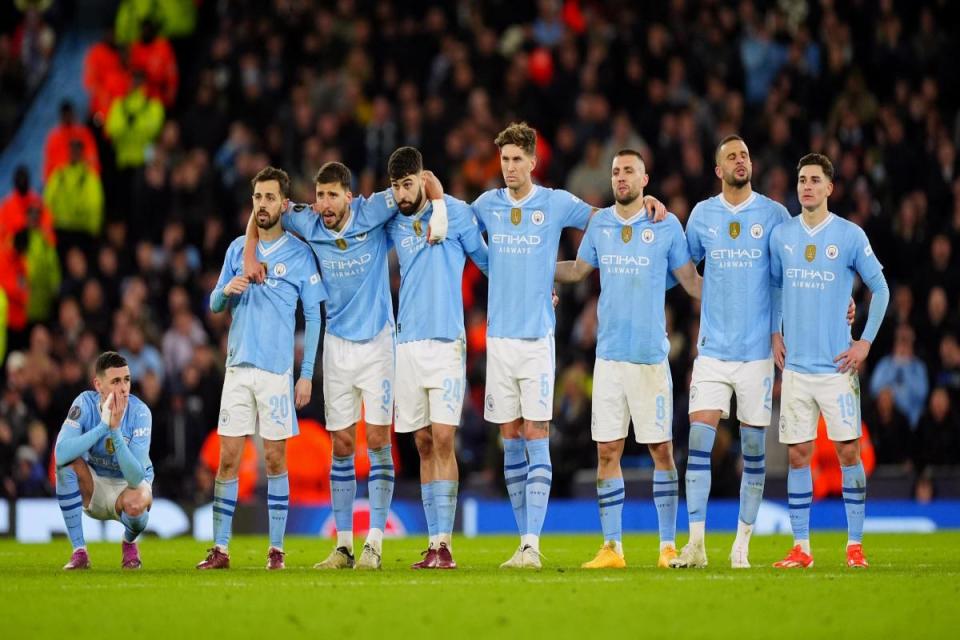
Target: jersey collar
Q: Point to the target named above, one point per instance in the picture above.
(740, 207)
(523, 200)
(629, 221)
(817, 229)
(266, 251)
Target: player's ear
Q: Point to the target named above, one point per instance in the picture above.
(646, 179)
(284, 204)
(717, 171)
(348, 196)
(829, 188)
(533, 162)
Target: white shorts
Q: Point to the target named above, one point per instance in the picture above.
(430, 381)
(103, 502)
(256, 400)
(714, 381)
(519, 379)
(804, 396)
(355, 372)
(625, 390)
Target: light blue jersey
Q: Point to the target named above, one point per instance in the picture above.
(524, 236)
(431, 276)
(135, 427)
(353, 262)
(634, 258)
(816, 268)
(732, 242)
(264, 316)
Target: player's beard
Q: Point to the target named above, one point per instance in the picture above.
(408, 209)
(338, 219)
(732, 179)
(271, 221)
(628, 199)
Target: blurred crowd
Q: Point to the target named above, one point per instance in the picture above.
(187, 101)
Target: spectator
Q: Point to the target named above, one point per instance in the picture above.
(141, 357)
(42, 267)
(893, 440)
(15, 207)
(133, 122)
(903, 373)
(939, 432)
(153, 56)
(58, 149)
(74, 194)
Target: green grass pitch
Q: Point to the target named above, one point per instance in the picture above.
(910, 591)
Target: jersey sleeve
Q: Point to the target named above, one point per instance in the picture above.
(864, 261)
(480, 211)
(218, 300)
(694, 240)
(678, 253)
(588, 248)
(140, 442)
(575, 212)
(378, 209)
(298, 218)
(312, 290)
(72, 442)
(776, 261)
(468, 232)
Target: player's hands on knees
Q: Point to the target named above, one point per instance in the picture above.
(432, 187)
(237, 285)
(253, 271)
(853, 358)
(851, 312)
(302, 393)
(779, 349)
(655, 209)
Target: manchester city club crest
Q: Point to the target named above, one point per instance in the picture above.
(756, 231)
(734, 230)
(341, 244)
(361, 236)
(647, 236)
(418, 227)
(626, 233)
(537, 218)
(516, 215)
(832, 251)
(810, 252)
(279, 269)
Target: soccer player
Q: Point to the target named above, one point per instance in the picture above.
(523, 223)
(631, 377)
(103, 461)
(814, 257)
(431, 349)
(349, 239)
(730, 232)
(258, 389)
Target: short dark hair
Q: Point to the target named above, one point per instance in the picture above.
(109, 360)
(334, 172)
(520, 134)
(272, 173)
(820, 160)
(629, 152)
(403, 162)
(726, 139)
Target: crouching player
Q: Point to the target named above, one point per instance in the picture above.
(103, 461)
